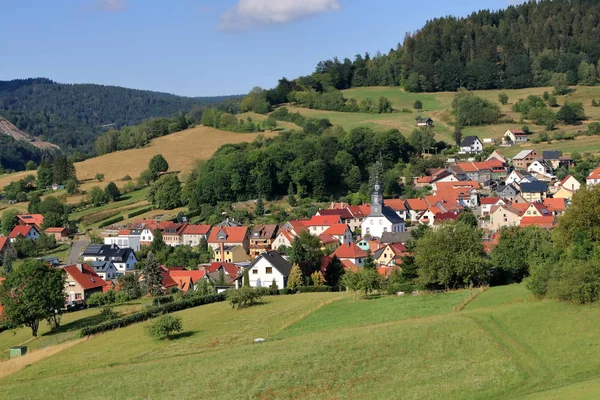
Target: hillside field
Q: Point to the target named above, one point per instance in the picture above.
(503, 344)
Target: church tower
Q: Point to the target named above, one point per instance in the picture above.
(376, 202)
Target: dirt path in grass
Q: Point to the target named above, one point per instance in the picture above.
(13, 365)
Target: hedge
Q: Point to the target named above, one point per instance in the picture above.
(151, 312)
(160, 300)
(139, 212)
(98, 216)
(313, 289)
(111, 221)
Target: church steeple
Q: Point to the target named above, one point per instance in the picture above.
(376, 201)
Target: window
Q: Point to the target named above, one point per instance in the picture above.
(368, 230)
(385, 229)
(71, 283)
(254, 271)
(269, 270)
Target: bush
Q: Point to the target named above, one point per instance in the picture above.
(108, 314)
(245, 296)
(151, 312)
(99, 216)
(101, 299)
(111, 221)
(286, 291)
(139, 212)
(160, 300)
(314, 289)
(164, 326)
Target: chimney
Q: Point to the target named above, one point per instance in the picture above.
(79, 267)
(222, 245)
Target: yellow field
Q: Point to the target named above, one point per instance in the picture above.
(181, 150)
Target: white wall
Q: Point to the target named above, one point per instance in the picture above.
(260, 278)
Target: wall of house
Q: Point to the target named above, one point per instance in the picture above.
(132, 242)
(376, 226)
(192, 240)
(279, 241)
(502, 217)
(262, 274)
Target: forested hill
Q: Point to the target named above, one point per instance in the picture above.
(73, 115)
(521, 46)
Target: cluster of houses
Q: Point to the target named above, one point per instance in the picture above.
(29, 226)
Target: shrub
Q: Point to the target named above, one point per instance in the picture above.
(101, 299)
(286, 291)
(126, 178)
(97, 217)
(108, 314)
(313, 289)
(160, 300)
(111, 221)
(245, 296)
(165, 326)
(139, 212)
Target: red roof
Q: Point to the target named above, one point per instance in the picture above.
(349, 265)
(55, 230)
(397, 248)
(323, 220)
(288, 235)
(361, 211)
(87, 278)
(230, 269)
(385, 271)
(21, 230)
(595, 174)
(297, 226)
(184, 277)
(566, 179)
(3, 241)
(124, 232)
(234, 234)
(32, 219)
(489, 200)
(517, 132)
(326, 239)
(167, 281)
(344, 213)
(417, 204)
(464, 185)
(337, 229)
(349, 250)
(447, 216)
(543, 222)
(555, 204)
(196, 230)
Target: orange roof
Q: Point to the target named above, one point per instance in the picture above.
(328, 239)
(517, 132)
(21, 230)
(87, 277)
(337, 229)
(433, 200)
(595, 174)
(489, 200)
(425, 179)
(124, 232)
(349, 250)
(385, 271)
(323, 220)
(55, 230)
(184, 277)
(397, 248)
(417, 204)
(543, 222)
(32, 219)
(457, 185)
(230, 269)
(349, 265)
(196, 230)
(234, 234)
(520, 206)
(288, 235)
(297, 226)
(374, 244)
(360, 211)
(468, 167)
(3, 241)
(555, 204)
(396, 204)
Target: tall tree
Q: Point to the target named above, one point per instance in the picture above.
(295, 280)
(152, 274)
(158, 164)
(334, 272)
(306, 253)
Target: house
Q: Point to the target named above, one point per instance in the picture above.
(524, 159)
(399, 207)
(147, 228)
(267, 268)
(230, 254)
(24, 231)
(171, 233)
(593, 178)
(547, 222)
(7, 249)
(344, 214)
(514, 136)
(541, 170)
(351, 252)
(262, 238)
(415, 207)
(556, 206)
(504, 215)
(340, 232)
(471, 145)
(126, 238)
(463, 193)
(229, 236)
(372, 244)
(566, 188)
(552, 157)
(105, 269)
(496, 155)
(390, 255)
(359, 213)
(488, 202)
(396, 237)
(536, 209)
(381, 218)
(534, 191)
(329, 243)
(123, 259)
(320, 223)
(433, 175)
(481, 172)
(284, 238)
(230, 271)
(294, 227)
(435, 215)
(81, 282)
(36, 220)
(60, 234)
(508, 191)
(193, 234)
(426, 122)
(187, 280)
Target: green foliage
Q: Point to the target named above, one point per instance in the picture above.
(130, 286)
(317, 278)
(243, 297)
(158, 164)
(165, 326)
(313, 289)
(72, 186)
(152, 276)
(204, 288)
(112, 192)
(8, 221)
(260, 207)
(503, 98)
(99, 177)
(97, 196)
(471, 110)
(571, 113)
(100, 299)
(139, 212)
(160, 300)
(418, 105)
(14, 154)
(256, 101)
(7, 266)
(165, 193)
(295, 279)
(467, 217)
(108, 314)
(31, 293)
(305, 253)
(246, 278)
(334, 272)
(111, 221)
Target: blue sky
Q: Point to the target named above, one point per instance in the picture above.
(202, 47)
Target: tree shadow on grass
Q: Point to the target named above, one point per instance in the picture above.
(373, 296)
(78, 324)
(182, 335)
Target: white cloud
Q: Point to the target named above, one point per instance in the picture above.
(251, 13)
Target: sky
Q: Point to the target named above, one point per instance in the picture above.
(202, 47)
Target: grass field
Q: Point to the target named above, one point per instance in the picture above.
(504, 344)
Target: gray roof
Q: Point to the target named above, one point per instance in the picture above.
(108, 251)
(522, 154)
(551, 154)
(501, 188)
(469, 141)
(101, 265)
(534, 187)
(276, 260)
(391, 215)
(378, 252)
(395, 237)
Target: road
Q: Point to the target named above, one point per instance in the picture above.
(79, 244)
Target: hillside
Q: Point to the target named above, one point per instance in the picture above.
(73, 115)
(8, 129)
(503, 344)
(181, 150)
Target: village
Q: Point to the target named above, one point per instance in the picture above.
(499, 192)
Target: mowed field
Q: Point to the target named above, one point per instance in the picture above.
(181, 150)
(502, 345)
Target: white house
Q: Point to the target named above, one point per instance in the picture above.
(268, 267)
(593, 178)
(488, 202)
(126, 238)
(318, 224)
(381, 218)
(24, 231)
(569, 183)
(541, 169)
(513, 136)
(105, 269)
(471, 145)
(193, 234)
(341, 232)
(123, 259)
(283, 238)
